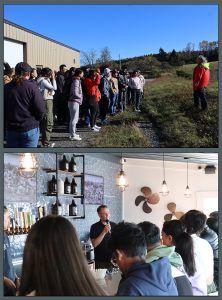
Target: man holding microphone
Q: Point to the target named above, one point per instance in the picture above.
(100, 233)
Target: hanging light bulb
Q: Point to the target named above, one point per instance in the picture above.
(121, 178)
(164, 189)
(27, 165)
(187, 193)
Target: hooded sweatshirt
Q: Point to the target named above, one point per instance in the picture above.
(201, 76)
(144, 279)
(184, 286)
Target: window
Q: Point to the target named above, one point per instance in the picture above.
(207, 201)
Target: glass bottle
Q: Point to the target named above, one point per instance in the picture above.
(73, 211)
(52, 185)
(72, 165)
(64, 164)
(67, 186)
(73, 187)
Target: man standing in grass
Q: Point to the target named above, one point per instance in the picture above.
(201, 77)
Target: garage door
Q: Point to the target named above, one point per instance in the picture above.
(13, 52)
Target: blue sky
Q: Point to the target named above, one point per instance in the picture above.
(128, 30)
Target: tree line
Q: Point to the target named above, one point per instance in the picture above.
(152, 64)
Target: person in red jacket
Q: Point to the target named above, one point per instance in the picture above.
(93, 96)
(201, 77)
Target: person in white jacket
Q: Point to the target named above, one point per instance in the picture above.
(47, 86)
(135, 86)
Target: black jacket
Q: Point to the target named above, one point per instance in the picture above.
(23, 105)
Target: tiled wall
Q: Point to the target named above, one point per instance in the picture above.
(100, 164)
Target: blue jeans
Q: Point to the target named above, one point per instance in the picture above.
(22, 139)
(113, 102)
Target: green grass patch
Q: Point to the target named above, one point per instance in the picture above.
(168, 102)
(124, 135)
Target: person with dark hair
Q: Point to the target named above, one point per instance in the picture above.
(100, 233)
(60, 102)
(213, 224)
(155, 251)
(214, 214)
(93, 96)
(75, 100)
(211, 236)
(54, 263)
(123, 85)
(105, 95)
(114, 92)
(33, 75)
(139, 278)
(135, 86)
(11, 280)
(47, 86)
(8, 73)
(24, 109)
(201, 77)
(195, 222)
(173, 234)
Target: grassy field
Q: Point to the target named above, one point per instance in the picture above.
(122, 132)
(168, 102)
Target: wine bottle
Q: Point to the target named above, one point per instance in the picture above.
(73, 187)
(73, 211)
(52, 185)
(67, 186)
(64, 164)
(72, 165)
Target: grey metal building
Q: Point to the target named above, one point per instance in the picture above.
(22, 44)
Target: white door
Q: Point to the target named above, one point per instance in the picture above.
(13, 52)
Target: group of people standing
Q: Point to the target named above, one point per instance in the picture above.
(178, 261)
(65, 96)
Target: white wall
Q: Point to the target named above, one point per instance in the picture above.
(150, 173)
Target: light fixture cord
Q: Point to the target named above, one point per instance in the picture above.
(163, 168)
(187, 172)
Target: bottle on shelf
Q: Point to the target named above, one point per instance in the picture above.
(52, 185)
(64, 164)
(60, 186)
(73, 187)
(72, 165)
(40, 212)
(57, 208)
(73, 211)
(67, 186)
(45, 209)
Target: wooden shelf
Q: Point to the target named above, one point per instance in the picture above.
(48, 170)
(75, 174)
(62, 195)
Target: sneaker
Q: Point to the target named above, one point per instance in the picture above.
(75, 138)
(97, 127)
(48, 145)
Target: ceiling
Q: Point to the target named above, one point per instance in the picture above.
(198, 158)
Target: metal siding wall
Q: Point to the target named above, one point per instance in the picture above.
(41, 51)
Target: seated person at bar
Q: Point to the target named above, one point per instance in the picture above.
(139, 278)
(11, 281)
(100, 234)
(54, 263)
(155, 250)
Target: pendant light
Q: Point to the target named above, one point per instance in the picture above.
(27, 165)
(121, 178)
(164, 189)
(187, 193)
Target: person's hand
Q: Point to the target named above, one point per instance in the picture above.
(9, 283)
(53, 74)
(107, 228)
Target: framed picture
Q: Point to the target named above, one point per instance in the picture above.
(17, 188)
(94, 189)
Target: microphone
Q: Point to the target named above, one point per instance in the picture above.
(108, 223)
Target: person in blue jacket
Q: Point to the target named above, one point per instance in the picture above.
(138, 277)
